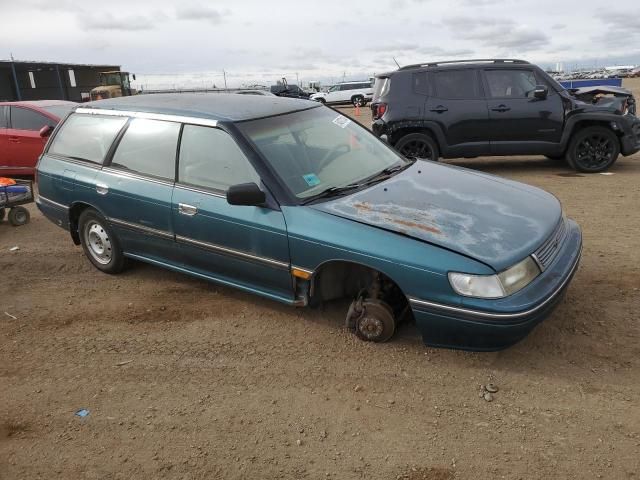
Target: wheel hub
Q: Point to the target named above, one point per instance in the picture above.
(98, 242)
(371, 327)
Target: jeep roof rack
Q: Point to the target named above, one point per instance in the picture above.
(479, 60)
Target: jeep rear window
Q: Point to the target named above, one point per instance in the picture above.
(381, 87)
(86, 137)
(456, 84)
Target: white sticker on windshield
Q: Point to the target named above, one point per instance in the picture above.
(341, 121)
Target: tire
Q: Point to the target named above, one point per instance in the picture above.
(99, 242)
(593, 149)
(3, 212)
(418, 145)
(358, 101)
(19, 216)
(322, 101)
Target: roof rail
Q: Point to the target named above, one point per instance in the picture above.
(479, 60)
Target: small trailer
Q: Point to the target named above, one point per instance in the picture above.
(14, 194)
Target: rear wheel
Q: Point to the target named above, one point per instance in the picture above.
(358, 101)
(419, 146)
(99, 243)
(19, 216)
(593, 149)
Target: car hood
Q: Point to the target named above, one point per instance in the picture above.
(496, 221)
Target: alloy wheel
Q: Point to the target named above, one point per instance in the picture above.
(594, 152)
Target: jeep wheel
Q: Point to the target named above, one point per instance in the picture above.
(322, 100)
(358, 101)
(593, 149)
(419, 146)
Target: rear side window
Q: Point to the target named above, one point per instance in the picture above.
(148, 147)
(456, 84)
(25, 119)
(210, 158)
(420, 84)
(86, 137)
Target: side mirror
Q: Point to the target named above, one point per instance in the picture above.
(248, 194)
(45, 131)
(134, 76)
(540, 92)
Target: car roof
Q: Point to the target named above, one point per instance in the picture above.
(39, 103)
(213, 106)
(458, 64)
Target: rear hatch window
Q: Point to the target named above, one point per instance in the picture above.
(381, 87)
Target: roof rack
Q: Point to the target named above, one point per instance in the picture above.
(480, 60)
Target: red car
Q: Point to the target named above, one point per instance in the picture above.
(20, 139)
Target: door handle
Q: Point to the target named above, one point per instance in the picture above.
(501, 108)
(188, 210)
(14, 139)
(440, 109)
(102, 189)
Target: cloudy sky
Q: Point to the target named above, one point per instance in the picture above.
(192, 41)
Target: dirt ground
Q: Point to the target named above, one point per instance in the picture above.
(184, 379)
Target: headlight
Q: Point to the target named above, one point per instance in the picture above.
(495, 286)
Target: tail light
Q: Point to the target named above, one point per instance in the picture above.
(378, 110)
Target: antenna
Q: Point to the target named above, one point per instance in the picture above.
(394, 59)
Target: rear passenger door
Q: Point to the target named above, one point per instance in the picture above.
(458, 107)
(243, 246)
(134, 188)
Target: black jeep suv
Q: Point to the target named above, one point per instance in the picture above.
(502, 107)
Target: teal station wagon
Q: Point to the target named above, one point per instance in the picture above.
(293, 201)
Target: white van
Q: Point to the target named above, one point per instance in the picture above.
(356, 93)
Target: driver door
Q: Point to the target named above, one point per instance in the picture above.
(243, 246)
(518, 122)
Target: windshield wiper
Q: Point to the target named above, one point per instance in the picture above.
(388, 172)
(333, 192)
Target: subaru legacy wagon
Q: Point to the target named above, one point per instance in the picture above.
(293, 201)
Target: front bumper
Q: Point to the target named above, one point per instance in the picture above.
(630, 141)
(505, 321)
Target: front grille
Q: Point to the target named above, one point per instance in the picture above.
(550, 248)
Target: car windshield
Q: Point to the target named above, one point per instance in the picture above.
(319, 149)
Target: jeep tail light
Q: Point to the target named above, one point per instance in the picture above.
(379, 110)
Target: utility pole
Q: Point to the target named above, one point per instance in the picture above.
(297, 79)
(225, 79)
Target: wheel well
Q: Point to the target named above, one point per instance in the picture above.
(398, 134)
(74, 214)
(342, 279)
(582, 124)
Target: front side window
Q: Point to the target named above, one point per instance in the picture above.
(511, 83)
(148, 147)
(318, 149)
(211, 159)
(25, 119)
(87, 137)
(456, 84)
(335, 88)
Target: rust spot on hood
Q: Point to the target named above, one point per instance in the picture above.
(419, 226)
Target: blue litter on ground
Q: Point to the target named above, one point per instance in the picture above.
(82, 413)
